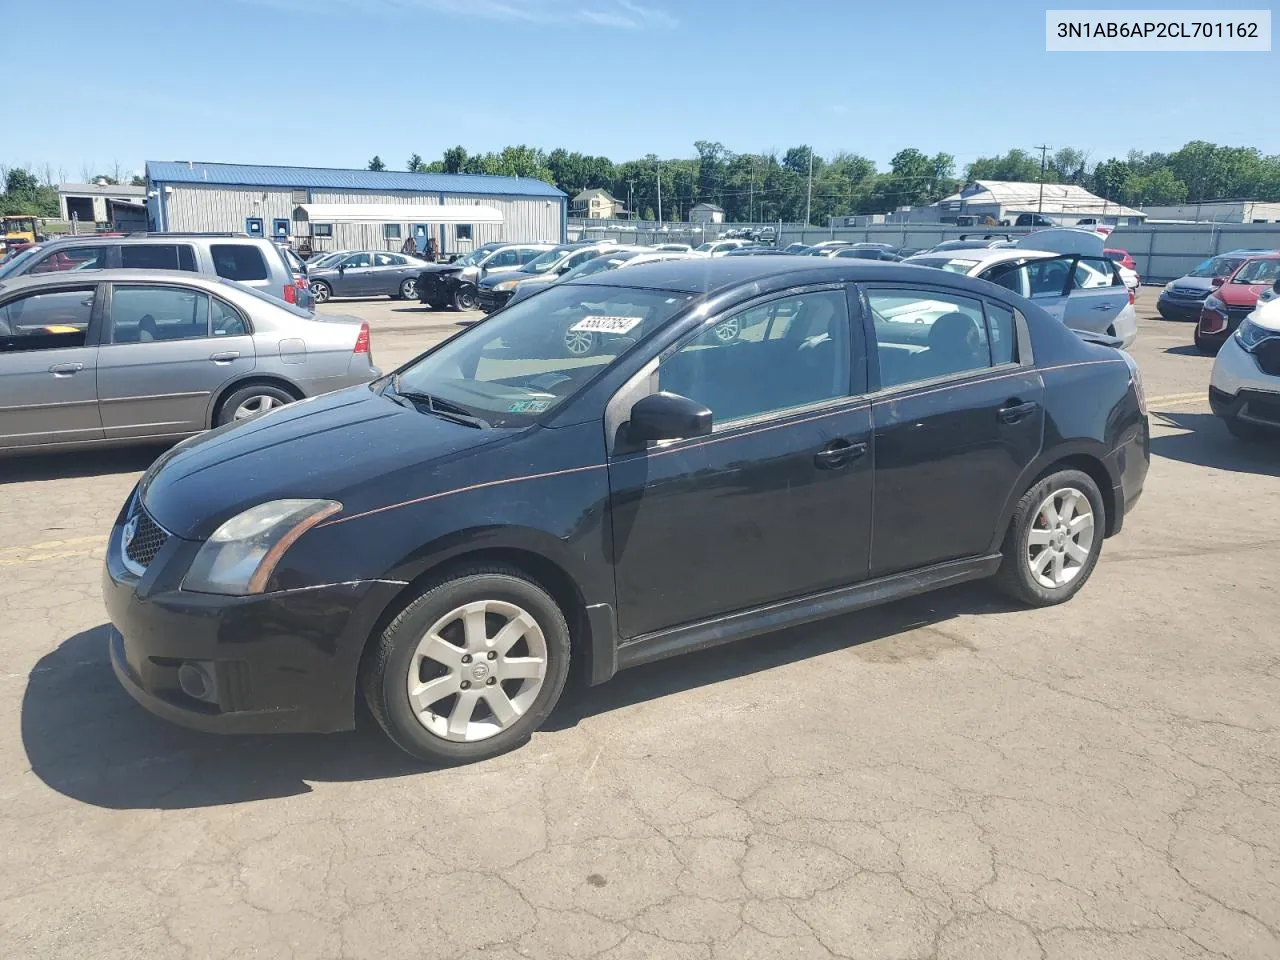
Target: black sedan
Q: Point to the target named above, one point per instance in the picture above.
(596, 475)
(367, 273)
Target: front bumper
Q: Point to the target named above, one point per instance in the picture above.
(437, 288)
(282, 662)
(490, 300)
(1178, 308)
(1239, 389)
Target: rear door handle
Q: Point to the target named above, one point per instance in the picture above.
(65, 369)
(226, 357)
(839, 453)
(1013, 411)
(1105, 306)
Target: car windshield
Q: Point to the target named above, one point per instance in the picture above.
(1217, 267)
(293, 308)
(945, 263)
(599, 265)
(12, 264)
(325, 260)
(475, 256)
(537, 353)
(546, 261)
(1258, 271)
(704, 247)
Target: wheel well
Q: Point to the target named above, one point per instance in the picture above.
(1098, 473)
(545, 573)
(231, 388)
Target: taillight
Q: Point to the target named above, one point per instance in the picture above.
(1132, 296)
(362, 339)
(290, 293)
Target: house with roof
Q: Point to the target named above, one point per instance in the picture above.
(1004, 201)
(291, 203)
(705, 213)
(595, 203)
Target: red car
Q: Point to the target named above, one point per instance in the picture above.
(1233, 299)
(1121, 257)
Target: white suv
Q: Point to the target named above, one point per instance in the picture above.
(1244, 389)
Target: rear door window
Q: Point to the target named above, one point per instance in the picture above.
(225, 320)
(71, 258)
(238, 261)
(145, 314)
(158, 256)
(46, 321)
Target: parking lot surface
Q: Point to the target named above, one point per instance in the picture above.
(945, 777)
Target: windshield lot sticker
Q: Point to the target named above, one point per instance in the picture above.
(529, 406)
(606, 324)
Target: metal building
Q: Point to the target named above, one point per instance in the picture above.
(265, 201)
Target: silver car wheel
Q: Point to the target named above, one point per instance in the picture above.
(256, 405)
(320, 291)
(1061, 538)
(409, 289)
(728, 331)
(477, 670)
(579, 342)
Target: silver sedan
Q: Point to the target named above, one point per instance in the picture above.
(123, 356)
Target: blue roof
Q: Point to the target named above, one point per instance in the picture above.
(181, 171)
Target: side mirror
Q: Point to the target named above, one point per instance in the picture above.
(668, 416)
(563, 268)
(1218, 281)
(1276, 286)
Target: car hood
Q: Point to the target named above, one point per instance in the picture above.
(1267, 315)
(1240, 294)
(442, 268)
(1197, 284)
(493, 280)
(334, 447)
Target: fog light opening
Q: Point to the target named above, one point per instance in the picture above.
(195, 682)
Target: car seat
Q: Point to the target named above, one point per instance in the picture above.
(955, 345)
(148, 330)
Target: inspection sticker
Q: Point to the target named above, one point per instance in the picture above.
(606, 324)
(529, 406)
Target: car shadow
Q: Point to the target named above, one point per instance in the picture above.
(1187, 350)
(1206, 443)
(86, 738)
(79, 463)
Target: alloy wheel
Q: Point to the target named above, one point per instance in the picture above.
(1061, 538)
(579, 342)
(728, 331)
(256, 405)
(477, 670)
(320, 291)
(409, 289)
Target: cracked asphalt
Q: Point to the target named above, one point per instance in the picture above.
(945, 777)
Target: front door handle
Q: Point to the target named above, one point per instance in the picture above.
(65, 369)
(839, 453)
(1104, 306)
(1013, 411)
(225, 357)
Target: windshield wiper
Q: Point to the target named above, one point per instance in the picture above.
(441, 408)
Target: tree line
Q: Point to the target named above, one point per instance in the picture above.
(755, 187)
(30, 193)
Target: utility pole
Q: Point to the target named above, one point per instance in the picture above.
(659, 194)
(631, 202)
(808, 202)
(1044, 151)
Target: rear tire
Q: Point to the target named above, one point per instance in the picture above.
(321, 291)
(1206, 346)
(1053, 541)
(408, 289)
(438, 680)
(252, 401)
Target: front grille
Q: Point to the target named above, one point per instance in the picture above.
(1267, 354)
(148, 537)
(1185, 294)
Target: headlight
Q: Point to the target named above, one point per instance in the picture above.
(1250, 335)
(1168, 287)
(505, 285)
(242, 553)
(1213, 303)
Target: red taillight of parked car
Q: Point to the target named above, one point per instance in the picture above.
(290, 293)
(1132, 296)
(362, 339)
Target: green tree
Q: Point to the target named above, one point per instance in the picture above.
(1158, 187)
(1017, 165)
(138, 181)
(1111, 179)
(455, 160)
(377, 164)
(415, 164)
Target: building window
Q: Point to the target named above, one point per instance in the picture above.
(391, 231)
(299, 196)
(462, 231)
(322, 229)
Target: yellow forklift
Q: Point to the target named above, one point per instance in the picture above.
(19, 230)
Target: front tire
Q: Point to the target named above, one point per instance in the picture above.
(470, 668)
(321, 291)
(1206, 346)
(1053, 541)
(464, 298)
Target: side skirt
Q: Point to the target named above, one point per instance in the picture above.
(789, 613)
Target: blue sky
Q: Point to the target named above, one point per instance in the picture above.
(332, 82)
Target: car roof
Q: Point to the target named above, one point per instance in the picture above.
(711, 275)
(982, 256)
(83, 277)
